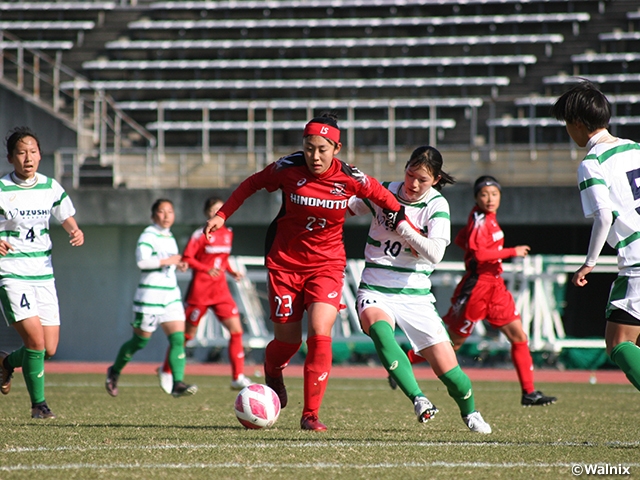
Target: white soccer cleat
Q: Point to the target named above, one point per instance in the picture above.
(425, 410)
(166, 381)
(476, 423)
(240, 382)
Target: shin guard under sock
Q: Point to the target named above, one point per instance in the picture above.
(236, 355)
(33, 372)
(317, 367)
(15, 358)
(177, 357)
(522, 361)
(627, 356)
(459, 388)
(277, 356)
(127, 350)
(394, 359)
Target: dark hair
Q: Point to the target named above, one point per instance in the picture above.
(485, 181)
(210, 202)
(431, 159)
(583, 103)
(156, 205)
(17, 134)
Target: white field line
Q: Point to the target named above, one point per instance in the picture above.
(337, 444)
(280, 466)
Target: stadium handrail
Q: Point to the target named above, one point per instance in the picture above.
(310, 62)
(286, 84)
(613, 36)
(46, 25)
(226, 44)
(601, 79)
(37, 44)
(605, 57)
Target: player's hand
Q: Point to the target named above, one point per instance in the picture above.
(5, 247)
(76, 237)
(212, 225)
(392, 219)
(182, 266)
(579, 278)
(214, 272)
(236, 275)
(522, 250)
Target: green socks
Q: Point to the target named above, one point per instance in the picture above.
(127, 350)
(394, 359)
(459, 388)
(33, 373)
(627, 356)
(15, 358)
(177, 357)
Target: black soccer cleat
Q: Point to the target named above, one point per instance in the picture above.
(536, 398)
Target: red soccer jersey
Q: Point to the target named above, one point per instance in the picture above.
(482, 240)
(307, 233)
(202, 255)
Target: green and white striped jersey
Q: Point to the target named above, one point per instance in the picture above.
(609, 177)
(24, 223)
(390, 265)
(158, 287)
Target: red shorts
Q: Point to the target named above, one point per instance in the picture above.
(224, 309)
(480, 298)
(290, 293)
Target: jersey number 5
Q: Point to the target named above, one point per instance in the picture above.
(634, 177)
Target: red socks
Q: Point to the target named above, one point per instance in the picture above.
(521, 357)
(277, 356)
(317, 367)
(236, 355)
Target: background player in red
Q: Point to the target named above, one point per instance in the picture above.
(209, 261)
(305, 254)
(482, 293)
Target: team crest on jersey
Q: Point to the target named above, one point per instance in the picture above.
(11, 214)
(339, 189)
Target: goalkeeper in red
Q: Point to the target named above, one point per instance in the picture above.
(305, 255)
(608, 178)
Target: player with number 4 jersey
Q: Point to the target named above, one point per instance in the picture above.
(28, 296)
(305, 254)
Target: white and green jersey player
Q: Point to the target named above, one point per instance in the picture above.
(392, 264)
(158, 287)
(24, 221)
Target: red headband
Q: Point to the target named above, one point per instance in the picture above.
(324, 130)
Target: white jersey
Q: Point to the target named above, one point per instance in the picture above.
(158, 287)
(390, 264)
(609, 177)
(24, 223)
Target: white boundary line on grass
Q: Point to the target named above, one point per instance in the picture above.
(340, 444)
(322, 465)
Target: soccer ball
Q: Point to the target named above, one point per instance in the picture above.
(257, 406)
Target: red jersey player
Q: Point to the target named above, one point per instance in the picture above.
(209, 260)
(482, 293)
(305, 254)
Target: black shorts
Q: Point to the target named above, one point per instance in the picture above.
(623, 317)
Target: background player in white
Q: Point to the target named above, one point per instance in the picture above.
(157, 299)
(28, 295)
(395, 287)
(608, 178)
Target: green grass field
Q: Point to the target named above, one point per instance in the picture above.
(373, 433)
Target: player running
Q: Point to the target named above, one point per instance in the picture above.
(305, 254)
(209, 260)
(482, 293)
(395, 287)
(29, 303)
(610, 194)
(157, 300)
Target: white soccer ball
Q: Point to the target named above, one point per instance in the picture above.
(257, 406)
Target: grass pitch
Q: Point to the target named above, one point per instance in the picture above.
(373, 433)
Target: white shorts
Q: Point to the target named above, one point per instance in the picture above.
(20, 300)
(416, 316)
(625, 295)
(148, 322)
